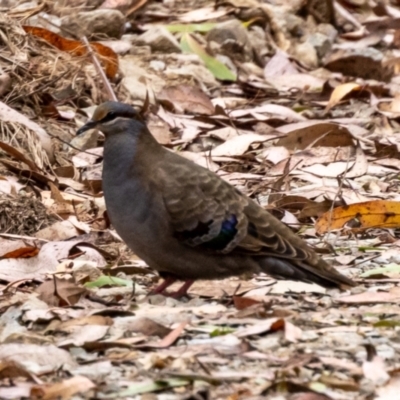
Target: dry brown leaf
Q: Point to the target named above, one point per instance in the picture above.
(168, 340)
(237, 145)
(241, 303)
(63, 390)
(60, 292)
(305, 134)
(187, 98)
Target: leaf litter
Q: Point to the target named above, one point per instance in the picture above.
(303, 118)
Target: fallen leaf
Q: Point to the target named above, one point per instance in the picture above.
(370, 214)
(219, 70)
(106, 55)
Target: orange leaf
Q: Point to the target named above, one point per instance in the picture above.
(23, 252)
(370, 214)
(107, 55)
(244, 302)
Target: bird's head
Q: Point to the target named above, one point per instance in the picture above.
(110, 118)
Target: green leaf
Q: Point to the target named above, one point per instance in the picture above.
(219, 70)
(391, 268)
(221, 331)
(148, 387)
(105, 280)
(387, 323)
(188, 28)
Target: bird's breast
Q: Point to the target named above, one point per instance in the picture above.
(134, 209)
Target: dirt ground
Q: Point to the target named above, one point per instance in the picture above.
(295, 103)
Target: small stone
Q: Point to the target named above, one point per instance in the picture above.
(321, 44)
(159, 39)
(41, 21)
(95, 23)
(138, 81)
(329, 31)
(157, 65)
(307, 54)
(233, 39)
(85, 141)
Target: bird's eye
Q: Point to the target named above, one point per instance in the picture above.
(110, 116)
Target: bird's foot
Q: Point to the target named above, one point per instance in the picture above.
(168, 281)
(182, 291)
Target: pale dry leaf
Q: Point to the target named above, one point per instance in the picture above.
(292, 333)
(332, 170)
(390, 390)
(282, 287)
(340, 92)
(304, 82)
(275, 154)
(46, 261)
(279, 65)
(258, 328)
(203, 14)
(86, 158)
(82, 334)
(8, 114)
(391, 296)
(238, 145)
(274, 110)
(60, 230)
(375, 370)
(37, 359)
(226, 133)
(390, 109)
(20, 390)
(360, 167)
(201, 159)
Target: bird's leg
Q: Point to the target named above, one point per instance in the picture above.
(168, 281)
(182, 291)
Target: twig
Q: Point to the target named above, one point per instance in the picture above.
(341, 182)
(110, 92)
(41, 88)
(347, 16)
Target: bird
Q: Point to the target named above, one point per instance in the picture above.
(185, 221)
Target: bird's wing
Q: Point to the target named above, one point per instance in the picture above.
(208, 212)
(203, 209)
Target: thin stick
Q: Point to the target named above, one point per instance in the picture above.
(110, 92)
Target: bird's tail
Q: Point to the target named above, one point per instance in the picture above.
(322, 273)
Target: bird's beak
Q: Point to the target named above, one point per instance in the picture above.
(89, 125)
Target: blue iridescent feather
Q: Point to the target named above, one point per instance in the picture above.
(219, 242)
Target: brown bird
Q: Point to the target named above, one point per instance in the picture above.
(186, 222)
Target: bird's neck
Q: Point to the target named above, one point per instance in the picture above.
(127, 154)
